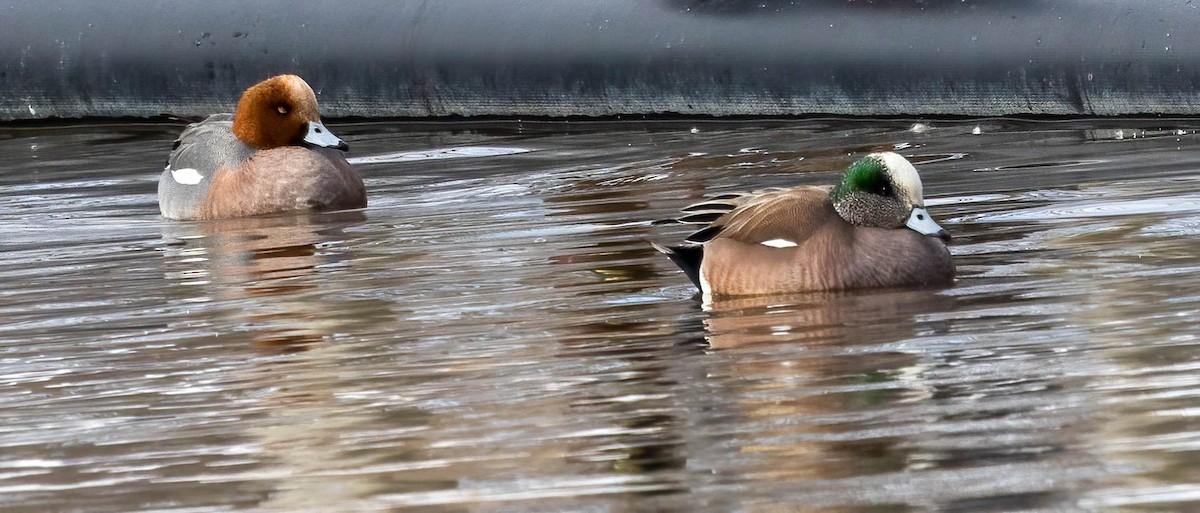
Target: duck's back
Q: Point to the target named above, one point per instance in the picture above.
(780, 241)
(793, 240)
(200, 151)
(794, 215)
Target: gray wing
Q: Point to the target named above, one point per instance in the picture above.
(199, 152)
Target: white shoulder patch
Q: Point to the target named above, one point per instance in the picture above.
(187, 176)
(779, 243)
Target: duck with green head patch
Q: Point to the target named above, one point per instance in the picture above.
(871, 230)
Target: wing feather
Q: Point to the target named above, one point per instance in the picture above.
(789, 214)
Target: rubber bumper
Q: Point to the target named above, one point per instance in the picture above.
(437, 58)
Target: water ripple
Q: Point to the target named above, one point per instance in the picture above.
(495, 331)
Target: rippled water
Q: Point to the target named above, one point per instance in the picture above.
(494, 333)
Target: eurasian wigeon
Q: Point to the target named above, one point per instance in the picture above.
(271, 155)
(871, 230)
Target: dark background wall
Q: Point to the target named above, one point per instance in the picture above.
(386, 58)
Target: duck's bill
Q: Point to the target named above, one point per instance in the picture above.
(318, 135)
(921, 222)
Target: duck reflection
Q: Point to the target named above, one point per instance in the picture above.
(819, 395)
(834, 319)
(261, 269)
(322, 438)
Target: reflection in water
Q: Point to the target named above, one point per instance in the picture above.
(848, 366)
(834, 319)
(269, 265)
(495, 333)
(438, 154)
(848, 389)
(313, 443)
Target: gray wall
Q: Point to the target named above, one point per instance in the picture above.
(70, 59)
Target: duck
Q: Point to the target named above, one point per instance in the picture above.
(271, 155)
(870, 230)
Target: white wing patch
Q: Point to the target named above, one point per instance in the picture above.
(187, 176)
(779, 243)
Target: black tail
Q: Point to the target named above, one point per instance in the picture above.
(686, 257)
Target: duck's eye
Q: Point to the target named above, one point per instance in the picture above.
(282, 109)
(886, 190)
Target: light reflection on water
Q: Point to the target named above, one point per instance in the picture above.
(494, 332)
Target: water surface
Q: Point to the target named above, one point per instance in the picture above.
(495, 333)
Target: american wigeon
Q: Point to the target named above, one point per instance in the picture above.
(871, 230)
(271, 155)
